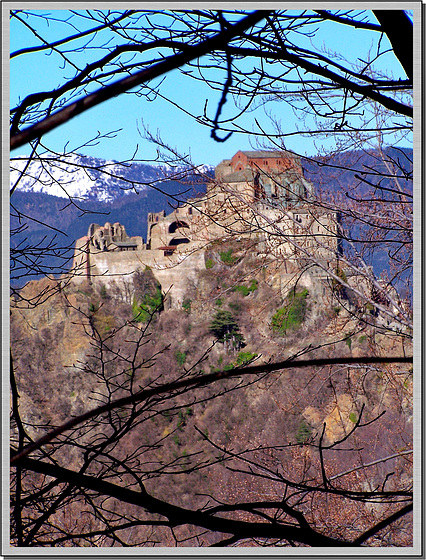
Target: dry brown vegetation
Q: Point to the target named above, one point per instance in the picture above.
(230, 443)
(204, 426)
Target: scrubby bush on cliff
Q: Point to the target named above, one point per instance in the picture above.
(186, 305)
(145, 308)
(244, 358)
(148, 298)
(292, 315)
(246, 290)
(180, 357)
(227, 258)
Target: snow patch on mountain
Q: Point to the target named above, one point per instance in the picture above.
(86, 178)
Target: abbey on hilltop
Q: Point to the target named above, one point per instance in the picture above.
(259, 195)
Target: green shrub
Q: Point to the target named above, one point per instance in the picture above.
(186, 305)
(244, 358)
(147, 306)
(246, 290)
(362, 338)
(223, 324)
(292, 315)
(228, 367)
(242, 289)
(103, 292)
(180, 357)
(209, 263)
(304, 432)
(254, 285)
(225, 327)
(353, 417)
(227, 258)
(337, 309)
(349, 343)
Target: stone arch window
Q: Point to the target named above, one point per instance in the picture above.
(178, 241)
(177, 225)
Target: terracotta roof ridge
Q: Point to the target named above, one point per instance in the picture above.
(266, 153)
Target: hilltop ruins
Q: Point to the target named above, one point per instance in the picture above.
(258, 195)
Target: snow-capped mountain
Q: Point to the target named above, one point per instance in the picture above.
(88, 178)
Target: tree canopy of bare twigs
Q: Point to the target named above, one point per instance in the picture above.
(121, 467)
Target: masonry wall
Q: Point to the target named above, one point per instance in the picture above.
(175, 244)
(174, 273)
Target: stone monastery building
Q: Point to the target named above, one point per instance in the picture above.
(259, 195)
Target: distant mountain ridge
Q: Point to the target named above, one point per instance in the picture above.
(88, 178)
(100, 198)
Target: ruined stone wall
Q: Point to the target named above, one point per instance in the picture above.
(174, 273)
(232, 206)
(218, 221)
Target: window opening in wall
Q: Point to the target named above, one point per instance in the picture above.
(178, 241)
(177, 224)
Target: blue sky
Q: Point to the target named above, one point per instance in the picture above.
(41, 72)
